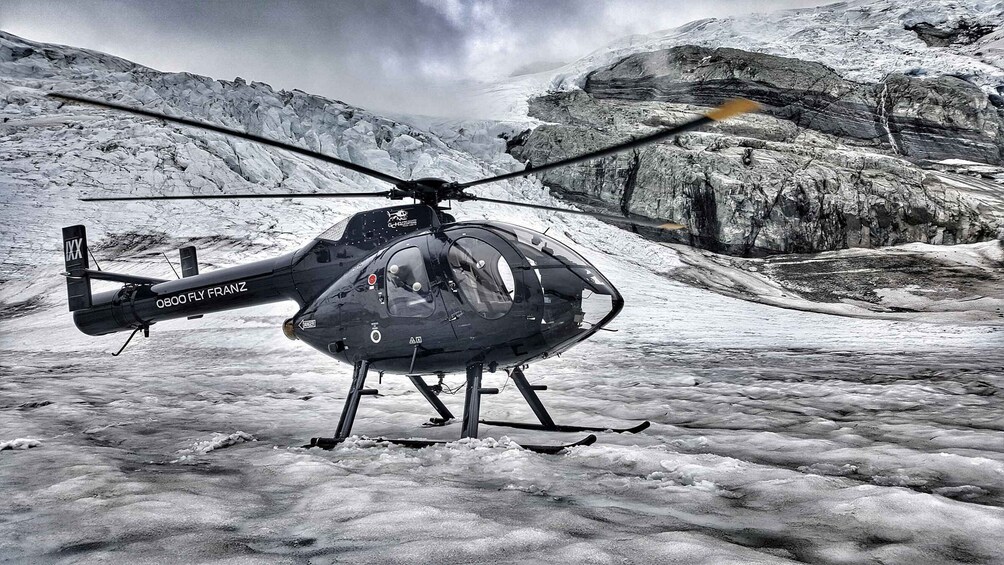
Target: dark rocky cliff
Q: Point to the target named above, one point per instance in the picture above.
(917, 117)
(829, 164)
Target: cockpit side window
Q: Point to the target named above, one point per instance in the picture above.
(408, 292)
(335, 232)
(484, 277)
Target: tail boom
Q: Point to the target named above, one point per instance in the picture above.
(140, 305)
(143, 301)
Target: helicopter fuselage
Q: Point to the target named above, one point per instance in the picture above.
(445, 298)
(405, 288)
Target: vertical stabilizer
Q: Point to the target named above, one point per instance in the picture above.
(189, 267)
(78, 285)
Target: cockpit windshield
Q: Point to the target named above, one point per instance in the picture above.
(576, 296)
(546, 253)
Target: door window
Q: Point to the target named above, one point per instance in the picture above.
(408, 292)
(484, 277)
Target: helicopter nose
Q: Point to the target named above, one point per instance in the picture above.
(577, 302)
(301, 326)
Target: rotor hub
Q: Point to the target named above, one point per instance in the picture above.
(429, 191)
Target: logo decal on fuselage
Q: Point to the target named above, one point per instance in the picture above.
(375, 335)
(415, 340)
(197, 295)
(74, 249)
(400, 219)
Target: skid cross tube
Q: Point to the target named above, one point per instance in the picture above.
(472, 409)
(529, 393)
(429, 395)
(472, 400)
(352, 400)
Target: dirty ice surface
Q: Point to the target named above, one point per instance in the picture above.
(916, 281)
(777, 436)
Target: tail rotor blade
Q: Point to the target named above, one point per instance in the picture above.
(236, 133)
(729, 109)
(610, 217)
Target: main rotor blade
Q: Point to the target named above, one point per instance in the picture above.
(610, 217)
(236, 133)
(386, 193)
(725, 111)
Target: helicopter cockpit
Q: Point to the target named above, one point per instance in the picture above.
(468, 290)
(576, 299)
(483, 277)
(340, 246)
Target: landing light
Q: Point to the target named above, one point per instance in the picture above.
(287, 329)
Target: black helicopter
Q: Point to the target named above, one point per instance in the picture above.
(405, 289)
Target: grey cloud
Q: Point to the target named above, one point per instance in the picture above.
(400, 55)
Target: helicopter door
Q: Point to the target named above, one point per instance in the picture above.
(414, 298)
(484, 291)
(408, 290)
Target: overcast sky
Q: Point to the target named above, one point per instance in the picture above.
(390, 55)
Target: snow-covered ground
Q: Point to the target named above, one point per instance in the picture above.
(778, 435)
(916, 281)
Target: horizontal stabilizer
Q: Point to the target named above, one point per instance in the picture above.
(120, 277)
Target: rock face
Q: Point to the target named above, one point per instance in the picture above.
(963, 32)
(922, 118)
(832, 164)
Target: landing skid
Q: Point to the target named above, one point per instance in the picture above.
(559, 428)
(547, 424)
(472, 409)
(330, 443)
